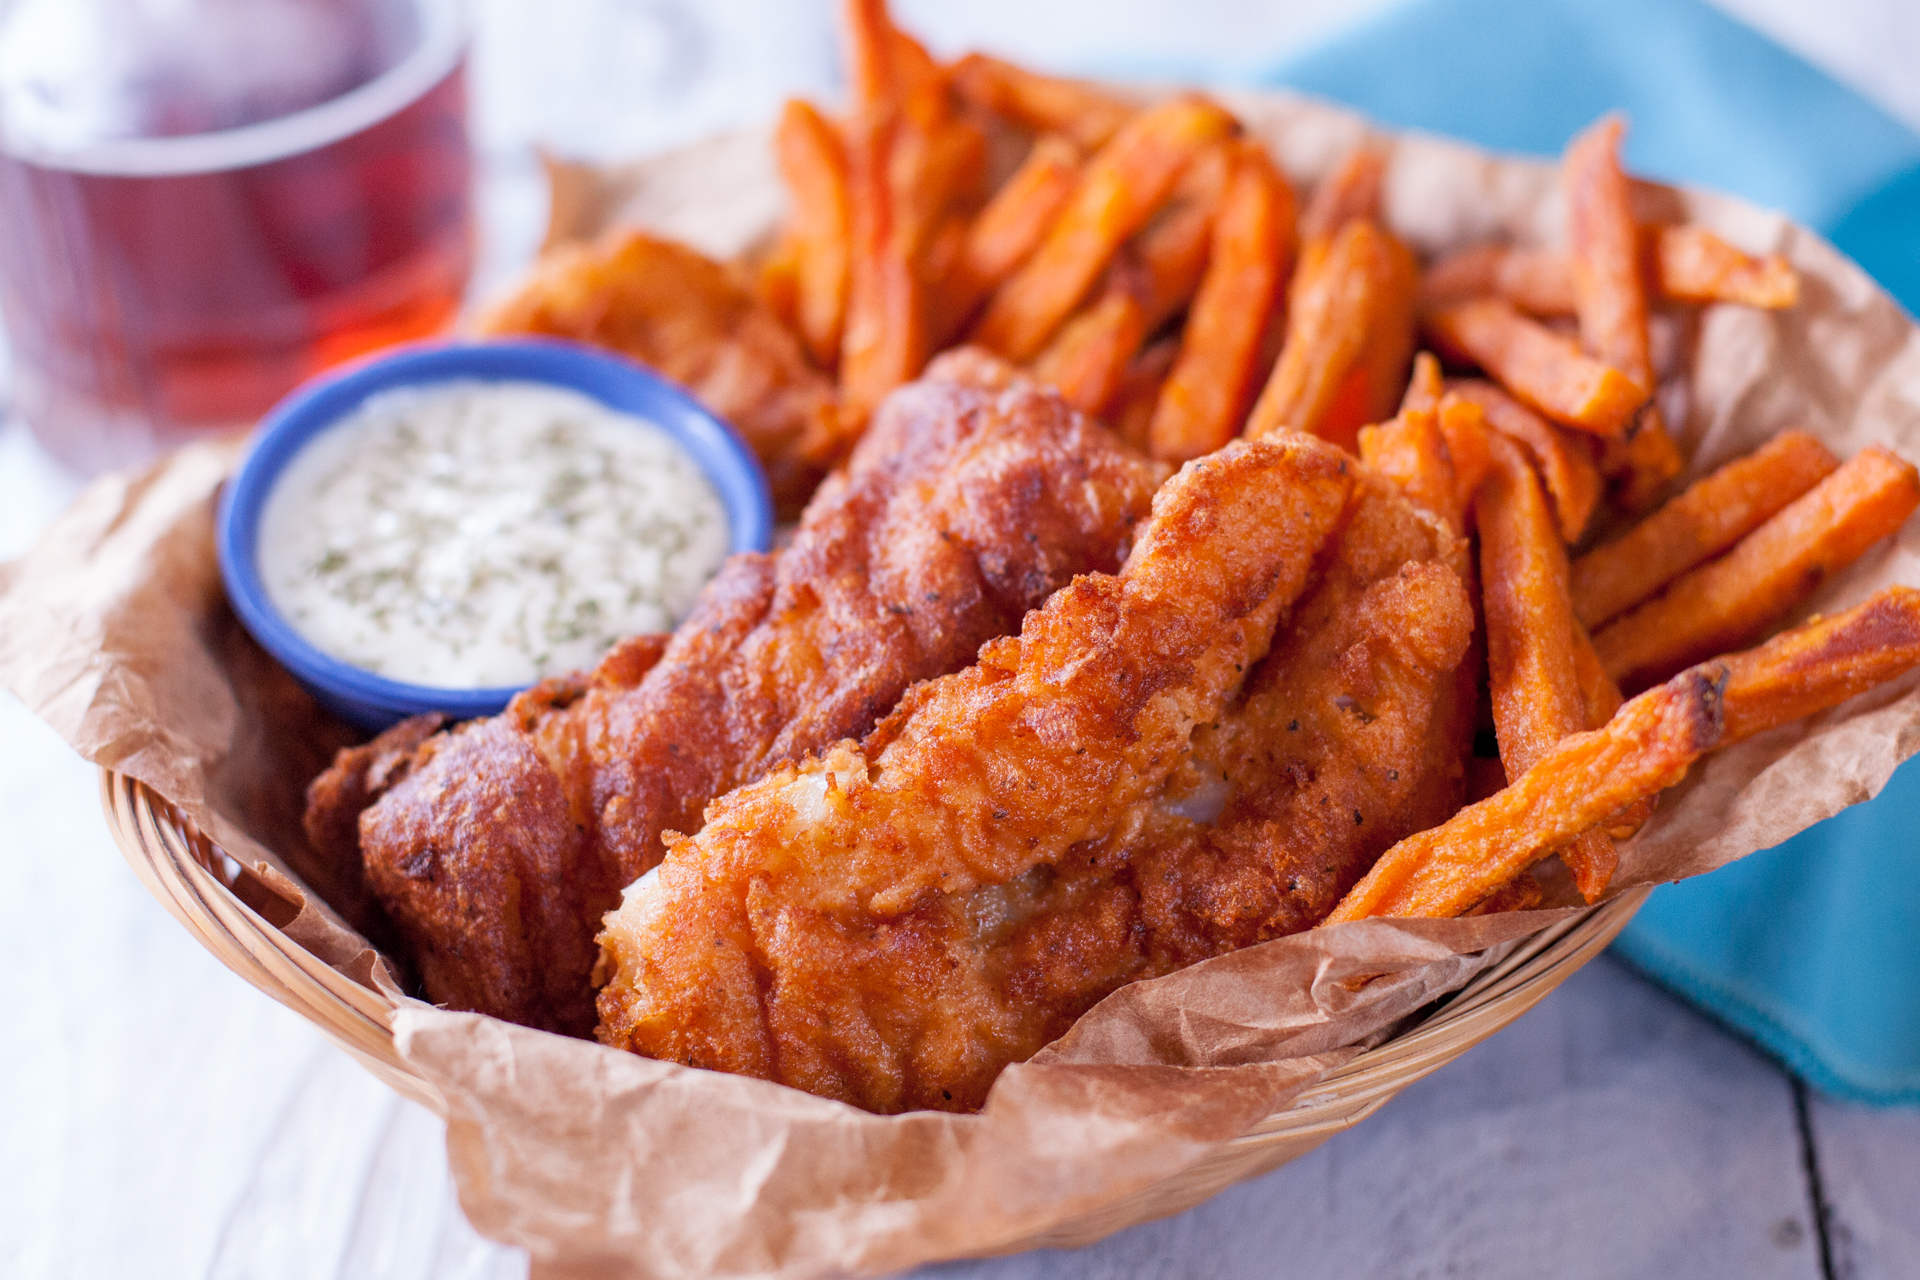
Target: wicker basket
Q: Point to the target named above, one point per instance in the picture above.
(233, 914)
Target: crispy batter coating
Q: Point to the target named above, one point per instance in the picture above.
(691, 320)
(508, 838)
(1352, 734)
(892, 924)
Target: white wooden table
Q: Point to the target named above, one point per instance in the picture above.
(161, 1118)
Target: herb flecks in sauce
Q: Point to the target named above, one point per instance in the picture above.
(472, 534)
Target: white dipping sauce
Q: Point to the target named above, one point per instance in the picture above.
(477, 534)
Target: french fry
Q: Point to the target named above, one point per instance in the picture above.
(1585, 778)
(884, 338)
(1425, 386)
(1611, 304)
(1522, 893)
(1545, 371)
(1207, 393)
(1714, 513)
(1088, 360)
(1609, 297)
(1389, 344)
(1727, 602)
(1646, 747)
(1691, 264)
(1167, 259)
(1131, 413)
(1572, 480)
(1822, 663)
(1319, 378)
(777, 281)
(1601, 698)
(1599, 695)
(1469, 445)
(1411, 451)
(813, 163)
(1537, 698)
(910, 160)
(1046, 104)
(1537, 281)
(1681, 263)
(1639, 465)
(1118, 192)
(1010, 227)
(1349, 194)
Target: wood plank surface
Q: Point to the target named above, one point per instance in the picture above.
(1869, 1160)
(1610, 1133)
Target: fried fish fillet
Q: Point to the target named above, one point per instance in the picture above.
(690, 319)
(1353, 733)
(845, 925)
(504, 841)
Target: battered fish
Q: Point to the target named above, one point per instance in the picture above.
(504, 841)
(843, 925)
(690, 319)
(1353, 733)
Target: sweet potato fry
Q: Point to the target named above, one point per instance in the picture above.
(1469, 446)
(1543, 370)
(1319, 378)
(1643, 750)
(1646, 747)
(1602, 247)
(1822, 663)
(1610, 302)
(1601, 698)
(1713, 514)
(1119, 191)
(884, 338)
(1131, 414)
(1573, 482)
(1047, 104)
(1598, 693)
(1729, 601)
(1207, 394)
(1679, 263)
(1691, 264)
(1537, 698)
(813, 163)
(910, 158)
(1010, 227)
(777, 281)
(1638, 466)
(1088, 360)
(1410, 451)
(1349, 193)
(1167, 259)
(1522, 893)
(1389, 343)
(1537, 281)
(1425, 386)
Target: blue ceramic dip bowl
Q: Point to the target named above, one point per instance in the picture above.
(373, 702)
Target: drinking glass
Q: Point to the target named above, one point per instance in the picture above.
(202, 202)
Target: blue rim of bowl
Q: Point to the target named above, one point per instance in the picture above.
(615, 382)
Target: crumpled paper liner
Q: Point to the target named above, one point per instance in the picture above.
(114, 629)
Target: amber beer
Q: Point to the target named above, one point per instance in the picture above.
(163, 286)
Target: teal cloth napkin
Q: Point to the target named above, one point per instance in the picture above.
(1812, 948)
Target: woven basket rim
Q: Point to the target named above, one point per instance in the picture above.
(177, 865)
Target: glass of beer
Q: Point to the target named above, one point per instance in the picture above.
(202, 202)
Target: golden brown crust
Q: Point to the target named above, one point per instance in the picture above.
(962, 509)
(691, 320)
(891, 924)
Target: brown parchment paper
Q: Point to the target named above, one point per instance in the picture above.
(114, 629)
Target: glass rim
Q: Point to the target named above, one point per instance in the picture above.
(443, 39)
